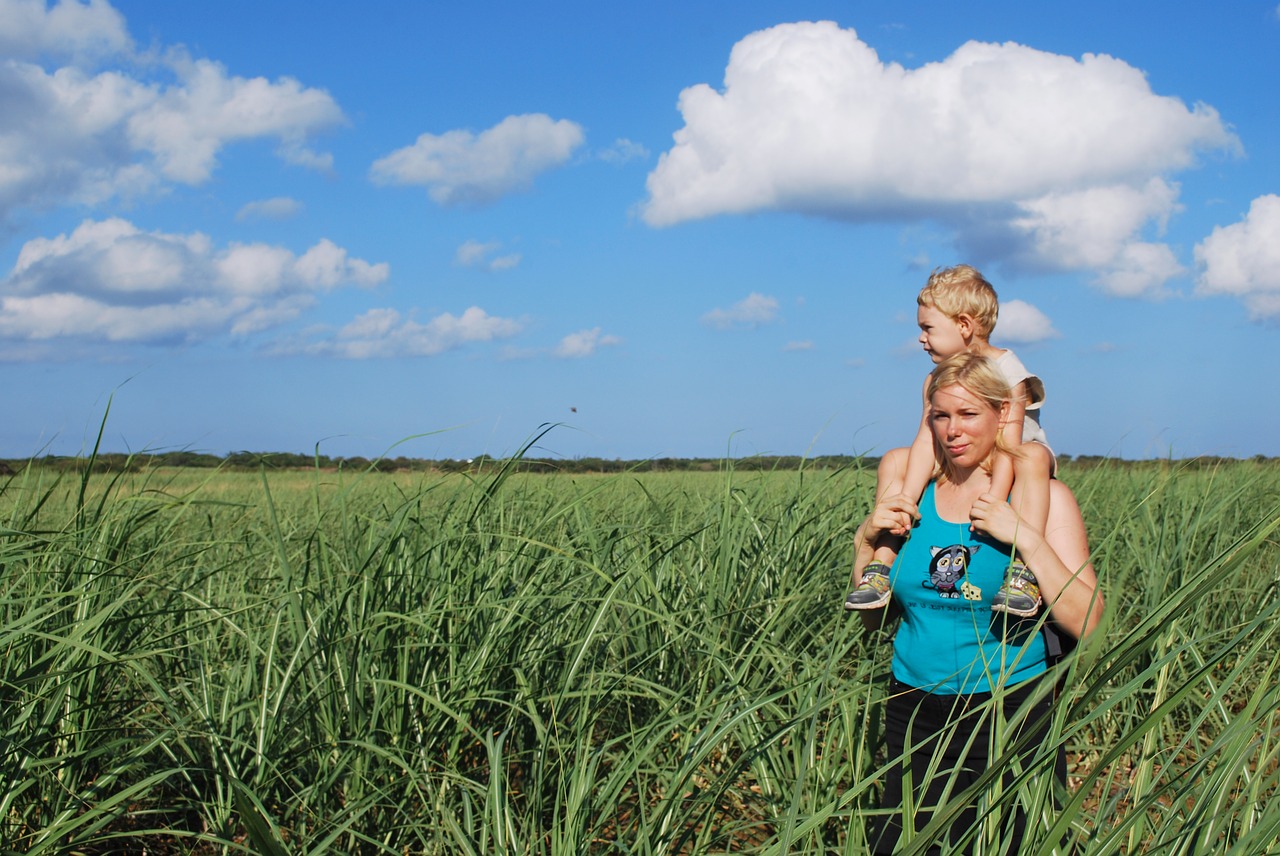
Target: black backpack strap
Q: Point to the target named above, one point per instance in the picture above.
(1056, 643)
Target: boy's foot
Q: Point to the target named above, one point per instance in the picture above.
(873, 592)
(1020, 594)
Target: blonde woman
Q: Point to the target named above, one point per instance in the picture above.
(951, 652)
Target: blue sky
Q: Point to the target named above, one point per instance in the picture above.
(671, 229)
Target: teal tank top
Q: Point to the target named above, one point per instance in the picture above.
(950, 642)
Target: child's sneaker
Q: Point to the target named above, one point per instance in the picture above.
(873, 592)
(1020, 594)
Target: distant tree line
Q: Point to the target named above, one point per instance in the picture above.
(243, 460)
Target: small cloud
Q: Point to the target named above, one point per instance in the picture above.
(622, 151)
(805, 345)
(920, 261)
(1022, 322)
(752, 311)
(1105, 348)
(462, 168)
(109, 281)
(385, 333)
(306, 157)
(276, 208)
(472, 253)
(1242, 260)
(584, 343)
(481, 254)
(78, 31)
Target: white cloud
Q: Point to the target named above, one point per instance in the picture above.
(81, 136)
(276, 208)
(803, 345)
(483, 255)
(293, 151)
(1006, 144)
(185, 126)
(109, 280)
(1095, 229)
(459, 167)
(506, 262)
(584, 343)
(80, 31)
(623, 151)
(385, 333)
(752, 311)
(1243, 259)
(1140, 269)
(1022, 322)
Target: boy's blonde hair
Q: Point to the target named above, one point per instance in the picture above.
(961, 290)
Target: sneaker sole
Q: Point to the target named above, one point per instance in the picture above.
(873, 605)
(1009, 610)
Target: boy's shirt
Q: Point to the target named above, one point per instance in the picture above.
(1016, 373)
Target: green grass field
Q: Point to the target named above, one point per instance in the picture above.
(325, 662)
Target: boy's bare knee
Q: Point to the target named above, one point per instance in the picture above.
(893, 466)
(891, 472)
(1033, 459)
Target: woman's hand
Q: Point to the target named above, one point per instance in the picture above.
(993, 516)
(893, 514)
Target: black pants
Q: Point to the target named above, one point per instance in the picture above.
(957, 745)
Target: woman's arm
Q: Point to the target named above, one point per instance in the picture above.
(1071, 591)
(892, 513)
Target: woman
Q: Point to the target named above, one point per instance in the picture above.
(951, 653)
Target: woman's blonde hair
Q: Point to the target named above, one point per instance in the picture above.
(980, 377)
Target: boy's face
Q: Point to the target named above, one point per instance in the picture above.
(940, 335)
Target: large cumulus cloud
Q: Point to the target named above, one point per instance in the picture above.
(1043, 160)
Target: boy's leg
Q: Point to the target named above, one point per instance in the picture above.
(872, 591)
(1033, 468)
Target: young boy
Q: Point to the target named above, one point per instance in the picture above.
(957, 311)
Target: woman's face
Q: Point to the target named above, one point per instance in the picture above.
(965, 426)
